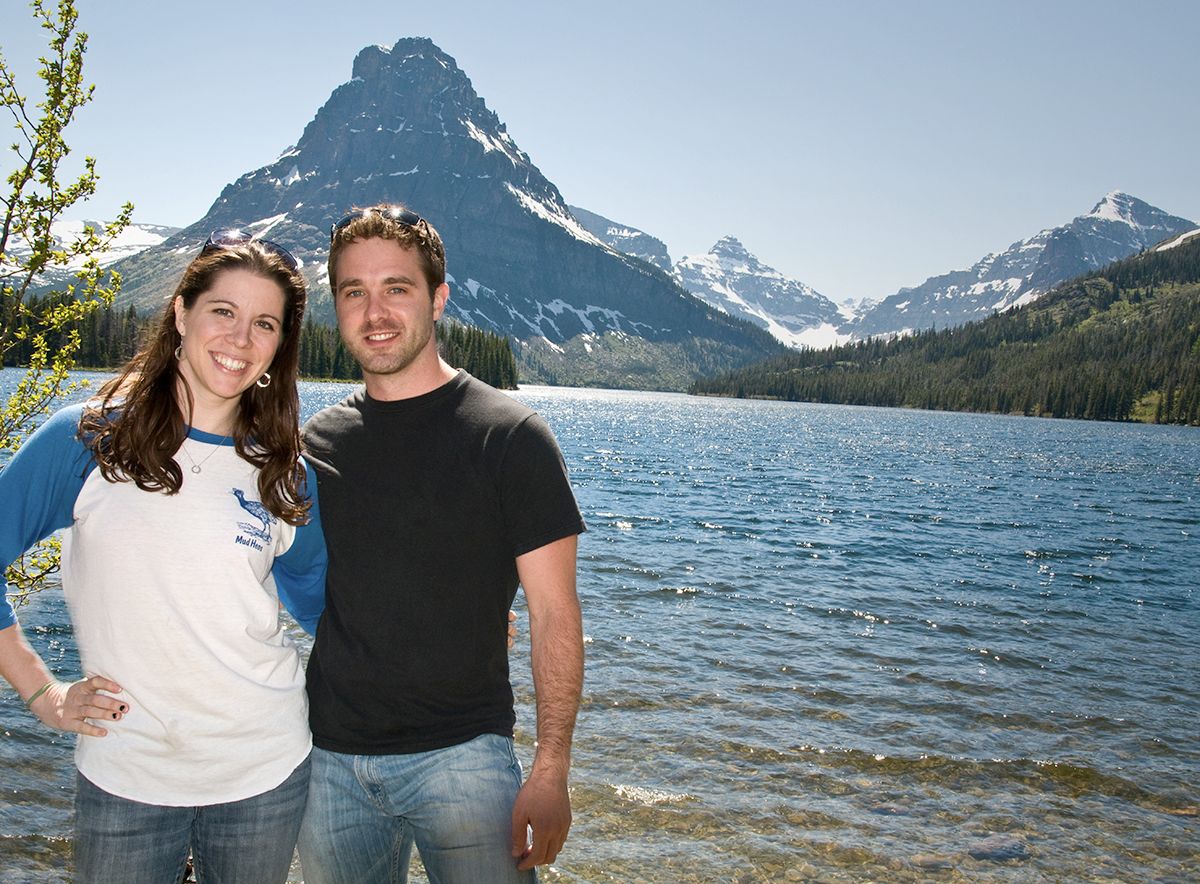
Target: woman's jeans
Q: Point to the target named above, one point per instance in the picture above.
(243, 842)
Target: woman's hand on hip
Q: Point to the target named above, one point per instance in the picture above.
(71, 707)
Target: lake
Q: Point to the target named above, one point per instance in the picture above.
(839, 644)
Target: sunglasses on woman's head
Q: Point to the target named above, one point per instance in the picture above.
(232, 238)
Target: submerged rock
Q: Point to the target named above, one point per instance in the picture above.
(932, 862)
(999, 848)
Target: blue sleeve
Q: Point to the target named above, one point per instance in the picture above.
(38, 488)
(300, 572)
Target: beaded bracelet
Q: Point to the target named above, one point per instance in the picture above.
(38, 693)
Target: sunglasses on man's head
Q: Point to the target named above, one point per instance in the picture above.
(232, 238)
(404, 216)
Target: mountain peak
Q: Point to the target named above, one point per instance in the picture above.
(409, 128)
(734, 281)
(416, 44)
(371, 60)
(1126, 209)
(728, 244)
(1119, 206)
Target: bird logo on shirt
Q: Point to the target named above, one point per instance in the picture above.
(260, 512)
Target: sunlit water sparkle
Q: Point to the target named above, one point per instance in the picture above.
(832, 643)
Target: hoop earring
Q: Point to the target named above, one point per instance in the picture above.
(266, 376)
(179, 350)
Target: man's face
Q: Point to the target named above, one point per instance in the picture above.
(385, 310)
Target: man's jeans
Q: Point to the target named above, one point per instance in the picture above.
(243, 842)
(366, 811)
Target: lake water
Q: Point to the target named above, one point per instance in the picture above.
(840, 644)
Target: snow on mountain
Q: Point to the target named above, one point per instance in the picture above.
(1118, 226)
(1179, 240)
(734, 281)
(852, 309)
(133, 239)
(409, 127)
(624, 238)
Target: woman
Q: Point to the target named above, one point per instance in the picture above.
(187, 518)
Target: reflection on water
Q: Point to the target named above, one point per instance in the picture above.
(833, 643)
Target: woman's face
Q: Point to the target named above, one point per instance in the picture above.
(230, 336)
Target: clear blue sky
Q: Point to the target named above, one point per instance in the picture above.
(857, 147)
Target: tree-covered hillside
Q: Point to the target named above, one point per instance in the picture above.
(1123, 344)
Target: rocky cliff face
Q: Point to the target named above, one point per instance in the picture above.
(408, 127)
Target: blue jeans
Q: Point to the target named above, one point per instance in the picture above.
(365, 812)
(242, 842)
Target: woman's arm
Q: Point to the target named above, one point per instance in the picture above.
(62, 706)
(38, 488)
(300, 571)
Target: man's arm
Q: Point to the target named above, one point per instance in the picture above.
(556, 638)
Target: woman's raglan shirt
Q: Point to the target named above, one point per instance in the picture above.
(175, 598)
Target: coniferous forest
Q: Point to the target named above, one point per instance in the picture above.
(485, 355)
(1121, 344)
(109, 337)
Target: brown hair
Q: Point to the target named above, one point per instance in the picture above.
(382, 222)
(137, 426)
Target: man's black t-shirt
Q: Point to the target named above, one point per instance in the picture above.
(425, 503)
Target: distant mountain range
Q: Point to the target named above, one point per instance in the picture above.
(1118, 226)
(133, 239)
(1120, 344)
(586, 300)
(733, 280)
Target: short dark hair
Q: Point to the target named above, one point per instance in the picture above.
(383, 222)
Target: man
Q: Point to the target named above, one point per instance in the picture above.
(439, 494)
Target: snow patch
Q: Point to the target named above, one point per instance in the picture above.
(133, 239)
(1027, 298)
(555, 216)
(267, 224)
(489, 143)
(1179, 240)
(1114, 207)
(822, 337)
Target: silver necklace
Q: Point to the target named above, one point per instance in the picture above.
(188, 454)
